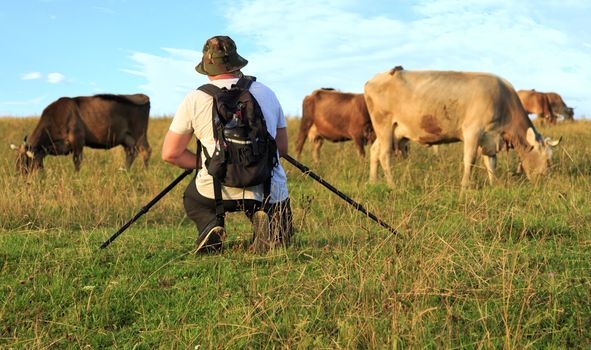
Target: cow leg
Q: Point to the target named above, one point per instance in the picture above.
(318, 141)
(129, 145)
(359, 143)
(401, 147)
(435, 149)
(145, 151)
(385, 156)
(405, 144)
(383, 151)
(300, 144)
(76, 142)
(542, 119)
(519, 170)
(130, 154)
(490, 163)
(77, 156)
(373, 161)
(470, 150)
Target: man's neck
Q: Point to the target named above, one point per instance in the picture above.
(223, 76)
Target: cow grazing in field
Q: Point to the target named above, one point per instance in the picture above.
(437, 107)
(335, 116)
(559, 108)
(535, 102)
(100, 121)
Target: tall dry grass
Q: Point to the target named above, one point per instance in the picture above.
(507, 266)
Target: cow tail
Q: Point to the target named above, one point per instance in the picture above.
(305, 125)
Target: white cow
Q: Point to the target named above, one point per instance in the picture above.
(437, 107)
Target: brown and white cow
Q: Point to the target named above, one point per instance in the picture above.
(100, 121)
(336, 116)
(535, 102)
(437, 107)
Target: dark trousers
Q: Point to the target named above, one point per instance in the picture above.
(201, 210)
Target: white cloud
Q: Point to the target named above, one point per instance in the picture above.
(313, 44)
(325, 44)
(55, 78)
(168, 77)
(31, 76)
(298, 46)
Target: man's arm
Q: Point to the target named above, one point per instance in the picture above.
(174, 150)
(281, 140)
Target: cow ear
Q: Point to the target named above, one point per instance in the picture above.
(531, 137)
(552, 143)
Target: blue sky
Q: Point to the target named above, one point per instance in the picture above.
(54, 48)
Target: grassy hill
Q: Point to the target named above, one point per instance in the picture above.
(507, 266)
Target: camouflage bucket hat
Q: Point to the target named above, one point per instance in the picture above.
(220, 56)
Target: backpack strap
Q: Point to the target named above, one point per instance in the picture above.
(217, 195)
(209, 89)
(245, 82)
(219, 203)
(198, 153)
(212, 90)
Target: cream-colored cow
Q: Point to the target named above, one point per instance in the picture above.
(437, 107)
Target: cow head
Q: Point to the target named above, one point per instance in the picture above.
(570, 113)
(538, 160)
(27, 159)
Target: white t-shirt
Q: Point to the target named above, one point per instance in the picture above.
(194, 116)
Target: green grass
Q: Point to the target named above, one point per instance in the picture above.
(501, 267)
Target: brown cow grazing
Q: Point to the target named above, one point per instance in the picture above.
(437, 107)
(560, 109)
(336, 116)
(100, 121)
(535, 102)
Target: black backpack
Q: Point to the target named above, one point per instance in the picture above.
(245, 153)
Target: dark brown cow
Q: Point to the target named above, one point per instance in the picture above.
(335, 116)
(535, 102)
(100, 121)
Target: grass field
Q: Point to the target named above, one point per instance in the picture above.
(507, 266)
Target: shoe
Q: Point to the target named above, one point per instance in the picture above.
(261, 232)
(211, 240)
